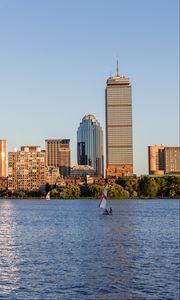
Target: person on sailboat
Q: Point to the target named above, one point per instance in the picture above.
(110, 211)
(106, 212)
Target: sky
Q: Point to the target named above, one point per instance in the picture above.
(55, 58)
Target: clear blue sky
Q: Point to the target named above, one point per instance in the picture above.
(56, 55)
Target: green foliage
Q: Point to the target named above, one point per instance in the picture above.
(19, 194)
(70, 192)
(96, 191)
(134, 195)
(130, 185)
(116, 191)
(169, 186)
(126, 187)
(148, 187)
(85, 191)
(54, 194)
(47, 187)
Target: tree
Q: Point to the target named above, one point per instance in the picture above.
(130, 185)
(70, 192)
(148, 187)
(85, 191)
(96, 191)
(116, 191)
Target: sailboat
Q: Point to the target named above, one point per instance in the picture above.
(48, 196)
(103, 202)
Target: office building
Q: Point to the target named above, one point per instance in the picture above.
(90, 144)
(58, 154)
(119, 140)
(26, 168)
(163, 160)
(3, 158)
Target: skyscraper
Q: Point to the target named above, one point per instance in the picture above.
(90, 144)
(58, 154)
(3, 158)
(119, 141)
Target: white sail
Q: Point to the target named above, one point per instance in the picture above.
(48, 196)
(103, 202)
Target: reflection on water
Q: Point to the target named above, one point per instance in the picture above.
(8, 249)
(69, 250)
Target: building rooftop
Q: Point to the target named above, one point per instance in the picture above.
(82, 167)
(118, 80)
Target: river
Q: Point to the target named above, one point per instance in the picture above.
(67, 250)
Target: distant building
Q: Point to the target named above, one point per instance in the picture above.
(82, 171)
(90, 144)
(119, 140)
(52, 174)
(26, 168)
(3, 183)
(58, 154)
(163, 160)
(3, 158)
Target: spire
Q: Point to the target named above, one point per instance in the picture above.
(117, 69)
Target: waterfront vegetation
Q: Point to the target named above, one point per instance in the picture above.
(123, 188)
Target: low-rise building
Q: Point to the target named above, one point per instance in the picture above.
(52, 174)
(82, 171)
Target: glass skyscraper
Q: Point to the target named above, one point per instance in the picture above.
(90, 144)
(119, 141)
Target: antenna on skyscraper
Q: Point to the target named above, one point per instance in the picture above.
(117, 68)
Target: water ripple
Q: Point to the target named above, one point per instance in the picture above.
(66, 250)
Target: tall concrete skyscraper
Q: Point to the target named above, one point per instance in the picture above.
(3, 158)
(58, 154)
(119, 141)
(90, 144)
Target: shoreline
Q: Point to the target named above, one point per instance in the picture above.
(88, 198)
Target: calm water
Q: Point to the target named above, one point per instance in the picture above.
(69, 250)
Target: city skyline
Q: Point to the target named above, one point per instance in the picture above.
(57, 56)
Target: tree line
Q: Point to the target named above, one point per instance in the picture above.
(122, 188)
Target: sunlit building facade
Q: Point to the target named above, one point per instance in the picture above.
(52, 174)
(90, 144)
(82, 171)
(26, 168)
(119, 139)
(58, 154)
(163, 160)
(3, 158)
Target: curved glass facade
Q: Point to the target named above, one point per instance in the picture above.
(90, 144)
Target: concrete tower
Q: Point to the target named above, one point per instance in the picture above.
(119, 140)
